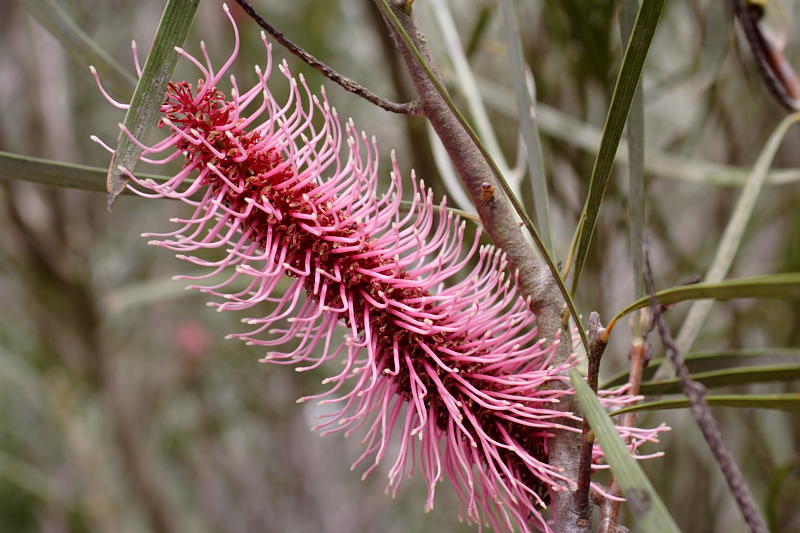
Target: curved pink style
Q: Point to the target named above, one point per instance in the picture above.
(439, 348)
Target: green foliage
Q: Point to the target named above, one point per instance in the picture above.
(778, 286)
(624, 91)
(145, 105)
(783, 402)
(715, 360)
(727, 377)
(644, 503)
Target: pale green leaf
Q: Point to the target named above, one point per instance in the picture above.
(624, 90)
(78, 44)
(725, 377)
(775, 286)
(145, 106)
(636, 143)
(734, 232)
(648, 511)
(527, 123)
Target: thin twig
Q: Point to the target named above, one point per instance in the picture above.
(695, 392)
(409, 108)
(639, 357)
(597, 345)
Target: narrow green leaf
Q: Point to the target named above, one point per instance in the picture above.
(734, 231)
(782, 402)
(146, 103)
(16, 167)
(78, 44)
(776, 286)
(527, 124)
(624, 90)
(709, 361)
(551, 265)
(635, 138)
(725, 377)
(46, 172)
(648, 510)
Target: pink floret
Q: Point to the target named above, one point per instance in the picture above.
(439, 348)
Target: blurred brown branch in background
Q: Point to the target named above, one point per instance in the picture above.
(410, 108)
(695, 392)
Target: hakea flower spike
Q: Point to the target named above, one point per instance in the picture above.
(439, 347)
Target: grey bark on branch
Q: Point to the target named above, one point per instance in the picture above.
(501, 224)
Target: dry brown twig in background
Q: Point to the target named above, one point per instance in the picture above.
(409, 108)
(695, 393)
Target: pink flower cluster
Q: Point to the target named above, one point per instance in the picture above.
(439, 349)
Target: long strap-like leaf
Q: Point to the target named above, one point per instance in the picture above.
(716, 360)
(734, 231)
(782, 402)
(145, 106)
(624, 90)
(775, 286)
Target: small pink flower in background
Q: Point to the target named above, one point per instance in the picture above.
(439, 348)
(192, 338)
(193, 342)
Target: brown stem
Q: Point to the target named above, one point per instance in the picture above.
(695, 393)
(500, 221)
(639, 356)
(409, 108)
(597, 345)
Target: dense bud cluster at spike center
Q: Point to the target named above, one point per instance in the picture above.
(440, 350)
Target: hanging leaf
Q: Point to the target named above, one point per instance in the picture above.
(732, 237)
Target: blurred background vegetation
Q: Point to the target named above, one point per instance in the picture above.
(123, 409)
